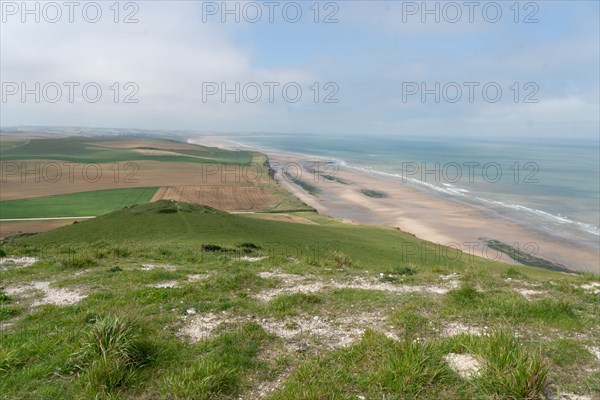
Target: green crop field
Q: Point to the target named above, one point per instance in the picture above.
(80, 204)
(88, 150)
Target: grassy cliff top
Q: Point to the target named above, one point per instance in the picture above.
(170, 300)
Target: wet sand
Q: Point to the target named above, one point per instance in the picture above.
(430, 217)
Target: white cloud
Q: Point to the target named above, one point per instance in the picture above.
(170, 53)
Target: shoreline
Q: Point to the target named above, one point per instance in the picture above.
(443, 221)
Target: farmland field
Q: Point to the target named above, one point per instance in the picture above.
(88, 150)
(21, 184)
(5, 144)
(89, 176)
(76, 204)
(55, 177)
(224, 198)
(230, 198)
(14, 228)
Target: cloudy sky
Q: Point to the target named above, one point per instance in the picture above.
(385, 67)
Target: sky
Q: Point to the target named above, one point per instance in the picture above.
(482, 69)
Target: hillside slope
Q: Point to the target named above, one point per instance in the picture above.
(189, 225)
(171, 300)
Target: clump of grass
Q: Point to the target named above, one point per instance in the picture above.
(168, 208)
(120, 252)
(4, 298)
(213, 248)
(247, 248)
(467, 294)
(101, 254)
(163, 251)
(511, 371)
(206, 379)
(111, 355)
(2, 252)
(79, 262)
(512, 273)
(248, 245)
(292, 325)
(412, 323)
(341, 260)
(588, 277)
(405, 271)
(9, 359)
(388, 278)
(7, 311)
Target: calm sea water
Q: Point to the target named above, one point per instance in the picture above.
(548, 185)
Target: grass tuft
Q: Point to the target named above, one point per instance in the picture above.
(4, 298)
(467, 294)
(79, 262)
(513, 273)
(206, 379)
(412, 323)
(341, 260)
(111, 355)
(511, 371)
(7, 311)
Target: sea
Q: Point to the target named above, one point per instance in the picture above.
(548, 185)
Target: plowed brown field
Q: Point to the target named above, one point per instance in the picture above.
(231, 198)
(11, 228)
(46, 178)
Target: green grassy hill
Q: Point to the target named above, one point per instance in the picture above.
(169, 223)
(176, 301)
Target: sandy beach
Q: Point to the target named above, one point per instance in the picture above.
(433, 218)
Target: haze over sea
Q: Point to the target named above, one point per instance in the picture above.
(548, 185)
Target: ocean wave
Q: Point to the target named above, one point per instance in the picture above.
(560, 219)
(450, 189)
(447, 188)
